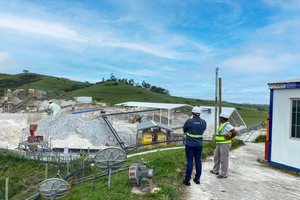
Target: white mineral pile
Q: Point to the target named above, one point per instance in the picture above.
(61, 127)
(10, 126)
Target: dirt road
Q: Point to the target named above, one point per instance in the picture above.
(247, 179)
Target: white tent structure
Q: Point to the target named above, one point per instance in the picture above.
(208, 114)
(161, 106)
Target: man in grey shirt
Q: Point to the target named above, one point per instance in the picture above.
(223, 138)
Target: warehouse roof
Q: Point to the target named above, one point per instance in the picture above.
(167, 106)
(151, 124)
(288, 81)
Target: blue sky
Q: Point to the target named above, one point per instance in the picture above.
(174, 44)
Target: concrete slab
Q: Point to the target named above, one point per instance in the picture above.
(247, 179)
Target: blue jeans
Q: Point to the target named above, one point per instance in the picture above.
(190, 153)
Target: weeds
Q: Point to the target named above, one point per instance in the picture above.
(260, 138)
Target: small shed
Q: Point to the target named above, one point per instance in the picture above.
(284, 124)
(83, 99)
(152, 124)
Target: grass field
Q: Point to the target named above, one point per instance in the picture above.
(25, 176)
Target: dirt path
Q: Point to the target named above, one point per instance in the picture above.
(247, 179)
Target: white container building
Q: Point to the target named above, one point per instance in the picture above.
(284, 124)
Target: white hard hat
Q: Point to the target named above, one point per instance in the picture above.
(224, 115)
(196, 110)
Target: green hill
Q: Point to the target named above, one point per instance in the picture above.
(36, 81)
(112, 92)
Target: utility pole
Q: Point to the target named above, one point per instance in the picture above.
(216, 103)
(220, 97)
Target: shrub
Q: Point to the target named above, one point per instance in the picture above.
(260, 138)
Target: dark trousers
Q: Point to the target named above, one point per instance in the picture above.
(190, 153)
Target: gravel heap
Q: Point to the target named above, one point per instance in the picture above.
(59, 127)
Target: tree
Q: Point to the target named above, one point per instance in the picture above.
(131, 82)
(25, 71)
(112, 77)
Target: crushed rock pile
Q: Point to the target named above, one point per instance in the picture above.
(60, 127)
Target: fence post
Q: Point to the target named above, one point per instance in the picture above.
(94, 182)
(20, 154)
(71, 187)
(6, 188)
(68, 167)
(46, 171)
(83, 162)
(89, 153)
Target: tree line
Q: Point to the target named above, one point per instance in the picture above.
(144, 85)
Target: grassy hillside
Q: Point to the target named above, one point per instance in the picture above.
(54, 83)
(8, 81)
(110, 93)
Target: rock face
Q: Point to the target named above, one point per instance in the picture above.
(60, 127)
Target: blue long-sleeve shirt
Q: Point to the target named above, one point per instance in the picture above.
(195, 126)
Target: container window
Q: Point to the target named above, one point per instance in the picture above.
(295, 132)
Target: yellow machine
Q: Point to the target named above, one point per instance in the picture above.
(147, 138)
(153, 132)
(159, 136)
(134, 119)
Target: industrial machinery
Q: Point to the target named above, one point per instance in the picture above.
(151, 131)
(139, 173)
(53, 109)
(114, 132)
(7, 101)
(33, 141)
(135, 119)
(10, 99)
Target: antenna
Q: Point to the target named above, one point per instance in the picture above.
(111, 159)
(53, 188)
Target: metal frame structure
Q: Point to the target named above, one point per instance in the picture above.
(160, 106)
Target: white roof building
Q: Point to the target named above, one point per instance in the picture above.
(161, 106)
(208, 114)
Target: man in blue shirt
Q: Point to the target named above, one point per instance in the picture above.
(194, 128)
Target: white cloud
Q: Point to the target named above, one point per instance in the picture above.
(256, 62)
(11, 64)
(284, 4)
(52, 29)
(134, 72)
(4, 56)
(288, 29)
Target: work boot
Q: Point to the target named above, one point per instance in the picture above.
(186, 182)
(215, 173)
(196, 181)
